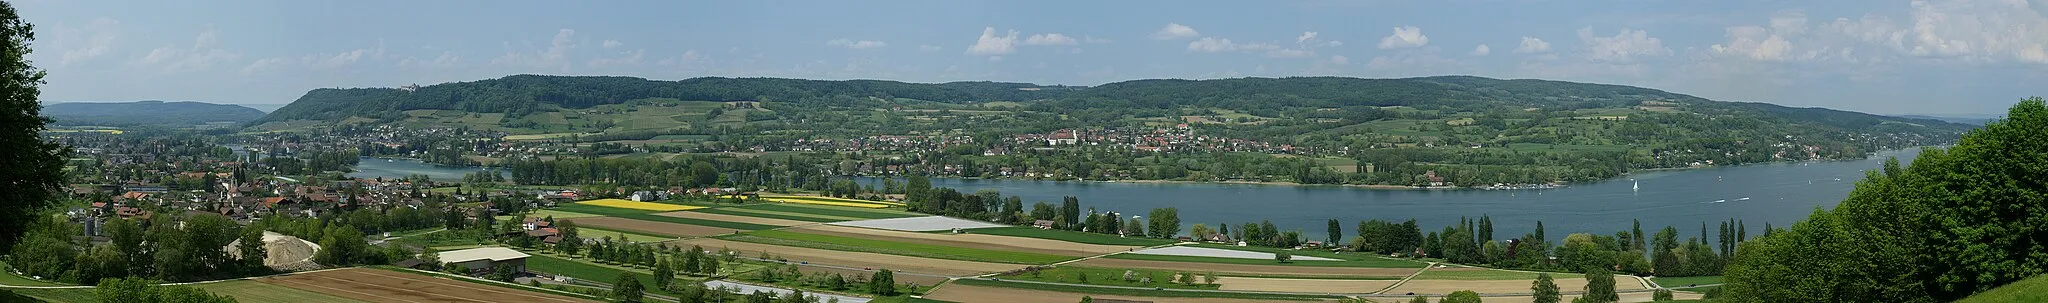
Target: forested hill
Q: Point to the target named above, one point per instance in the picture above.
(521, 94)
(160, 113)
(525, 94)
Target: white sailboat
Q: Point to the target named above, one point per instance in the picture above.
(1637, 187)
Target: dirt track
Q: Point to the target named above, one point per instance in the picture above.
(856, 259)
(732, 218)
(1303, 285)
(1501, 286)
(651, 227)
(1246, 269)
(968, 293)
(989, 242)
(386, 286)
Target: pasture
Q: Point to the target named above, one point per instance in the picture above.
(784, 238)
(855, 259)
(700, 215)
(750, 212)
(651, 227)
(650, 216)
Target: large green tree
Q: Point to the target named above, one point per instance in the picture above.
(1544, 290)
(1958, 221)
(31, 169)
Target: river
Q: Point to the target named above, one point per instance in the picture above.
(1777, 193)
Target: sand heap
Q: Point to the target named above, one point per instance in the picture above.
(285, 253)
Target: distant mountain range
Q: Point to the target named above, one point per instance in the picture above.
(1979, 119)
(156, 113)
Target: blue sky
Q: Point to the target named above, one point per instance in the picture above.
(1889, 57)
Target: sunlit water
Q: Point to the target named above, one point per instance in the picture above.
(1778, 193)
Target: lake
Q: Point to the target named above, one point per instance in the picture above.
(368, 167)
(1778, 193)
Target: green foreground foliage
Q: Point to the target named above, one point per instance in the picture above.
(1957, 222)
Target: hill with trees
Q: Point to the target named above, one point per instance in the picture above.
(159, 113)
(1324, 130)
(1957, 222)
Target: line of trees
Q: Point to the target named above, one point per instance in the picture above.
(1959, 221)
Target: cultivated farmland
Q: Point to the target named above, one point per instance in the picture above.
(975, 291)
(629, 204)
(968, 240)
(1251, 270)
(1303, 285)
(698, 214)
(784, 238)
(386, 286)
(651, 227)
(856, 259)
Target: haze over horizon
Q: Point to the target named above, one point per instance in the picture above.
(1951, 57)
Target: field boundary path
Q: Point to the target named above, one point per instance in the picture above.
(1404, 280)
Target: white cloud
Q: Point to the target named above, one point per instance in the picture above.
(1049, 39)
(1175, 31)
(1290, 53)
(1305, 36)
(1532, 46)
(1481, 50)
(609, 44)
(929, 48)
(689, 59)
(1211, 45)
(1755, 43)
(446, 59)
(624, 59)
(1403, 37)
(1340, 60)
(861, 44)
(201, 55)
(264, 65)
(91, 41)
(1256, 46)
(991, 44)
(1093, 39)
(555, 56)
(1622, 47)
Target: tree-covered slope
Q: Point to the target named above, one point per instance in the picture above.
(523, 94)
(181, 113)
(1957, 222)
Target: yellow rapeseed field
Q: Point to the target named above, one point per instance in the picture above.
(629, 204)
(815, 201)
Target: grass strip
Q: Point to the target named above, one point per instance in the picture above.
(1140, 292)
(1220, 260)
(784, 238)
(765, 214)
(7, 277)
(1683, 281)
(61, 295)
(650, 216)
(1068, 235)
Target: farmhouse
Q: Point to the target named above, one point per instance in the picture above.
(485, 258)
